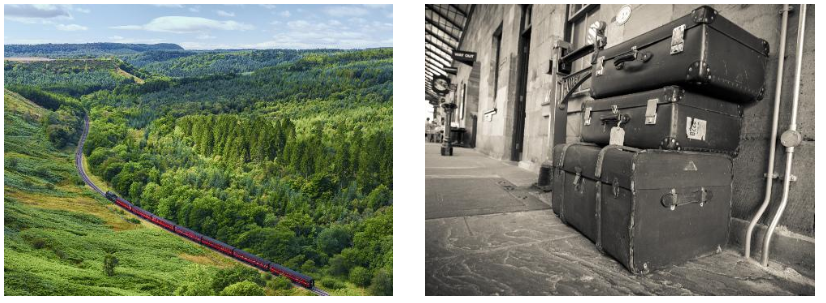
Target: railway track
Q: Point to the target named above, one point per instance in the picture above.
(82, 173)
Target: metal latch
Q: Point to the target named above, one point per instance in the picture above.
(677, 39)
(587, 116)
(599, 65)
(651, 111)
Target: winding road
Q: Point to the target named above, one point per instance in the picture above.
(82, 173)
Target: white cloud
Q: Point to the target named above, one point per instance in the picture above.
(346, 11)
(225, 13)
(195, 9)
(205, 36)
(120, 39)
(32, 13)
(304, 34)
(81, 10)
(181, 24)
(268, 6)
(168, 5)
(71, 27)
(285, 14)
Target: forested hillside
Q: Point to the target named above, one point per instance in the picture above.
(89, 50)
(286, 154)
(59, 236)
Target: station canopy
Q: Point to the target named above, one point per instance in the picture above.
(444, 25)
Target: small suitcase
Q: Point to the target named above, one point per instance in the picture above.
(702, 51)
(575, 186)
(660, 207)
(666, 118)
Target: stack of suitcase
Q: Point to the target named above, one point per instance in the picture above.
(651, 182)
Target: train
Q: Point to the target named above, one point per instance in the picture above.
(251, 259)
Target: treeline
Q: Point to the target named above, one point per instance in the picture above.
(70, 77)
(200, 63)
(85, 50)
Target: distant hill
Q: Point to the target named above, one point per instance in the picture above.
(83, 50)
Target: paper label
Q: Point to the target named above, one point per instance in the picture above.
(695, 128)
(617, 136)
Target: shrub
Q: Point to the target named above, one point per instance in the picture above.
(331, 283)
(244, 288)
(360, 276)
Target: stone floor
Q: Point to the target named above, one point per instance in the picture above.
(489, 233)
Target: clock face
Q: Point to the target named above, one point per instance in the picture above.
(623, 15)
(441, 84)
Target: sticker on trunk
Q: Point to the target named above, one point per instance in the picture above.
(695, 128)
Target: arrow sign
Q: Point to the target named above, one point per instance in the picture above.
(451, 70)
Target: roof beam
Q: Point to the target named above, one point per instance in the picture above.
(444, 51)
(440, 56)
(430, 59)
(432, 34)
(433, 70)
(436, 11)
(439, 27)
(456, 7)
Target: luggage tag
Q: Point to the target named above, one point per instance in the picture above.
(617, 136)
(617, 133)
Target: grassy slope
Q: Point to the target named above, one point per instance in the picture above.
(56, 236)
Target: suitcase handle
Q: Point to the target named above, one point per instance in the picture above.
(618, 119)
(634, 55)
(673, 199)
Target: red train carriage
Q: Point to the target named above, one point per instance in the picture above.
(191, 234)
(250, 258)
(164, 223)
(141, 212)
(294, 276)
(217, 245)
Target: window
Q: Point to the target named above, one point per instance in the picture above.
(497, 45)
(526, 16)
(580, 17)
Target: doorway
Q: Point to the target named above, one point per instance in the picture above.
(518, 144)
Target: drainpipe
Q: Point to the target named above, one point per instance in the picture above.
(775, 117)
(791, 137)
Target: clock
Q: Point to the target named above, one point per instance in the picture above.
(623, 15)
(440, 84)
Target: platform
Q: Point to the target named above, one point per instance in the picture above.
(489, 233)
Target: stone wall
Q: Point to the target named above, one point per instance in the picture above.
(495, 136)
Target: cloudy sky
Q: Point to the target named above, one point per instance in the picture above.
(203, 26)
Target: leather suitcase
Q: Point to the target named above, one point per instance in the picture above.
(575, 186)
(702, 51)
(665, 118)
(660, 207)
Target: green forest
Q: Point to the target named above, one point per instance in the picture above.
(285, 154)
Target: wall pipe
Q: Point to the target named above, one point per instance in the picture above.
(792, 131)
(773, 138)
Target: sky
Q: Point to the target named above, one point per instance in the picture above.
(203, 26)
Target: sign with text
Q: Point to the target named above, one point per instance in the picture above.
(464, 57)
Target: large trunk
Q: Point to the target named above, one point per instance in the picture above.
(660, 208)
(702, 51)
(646, 208)
(667, 118)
